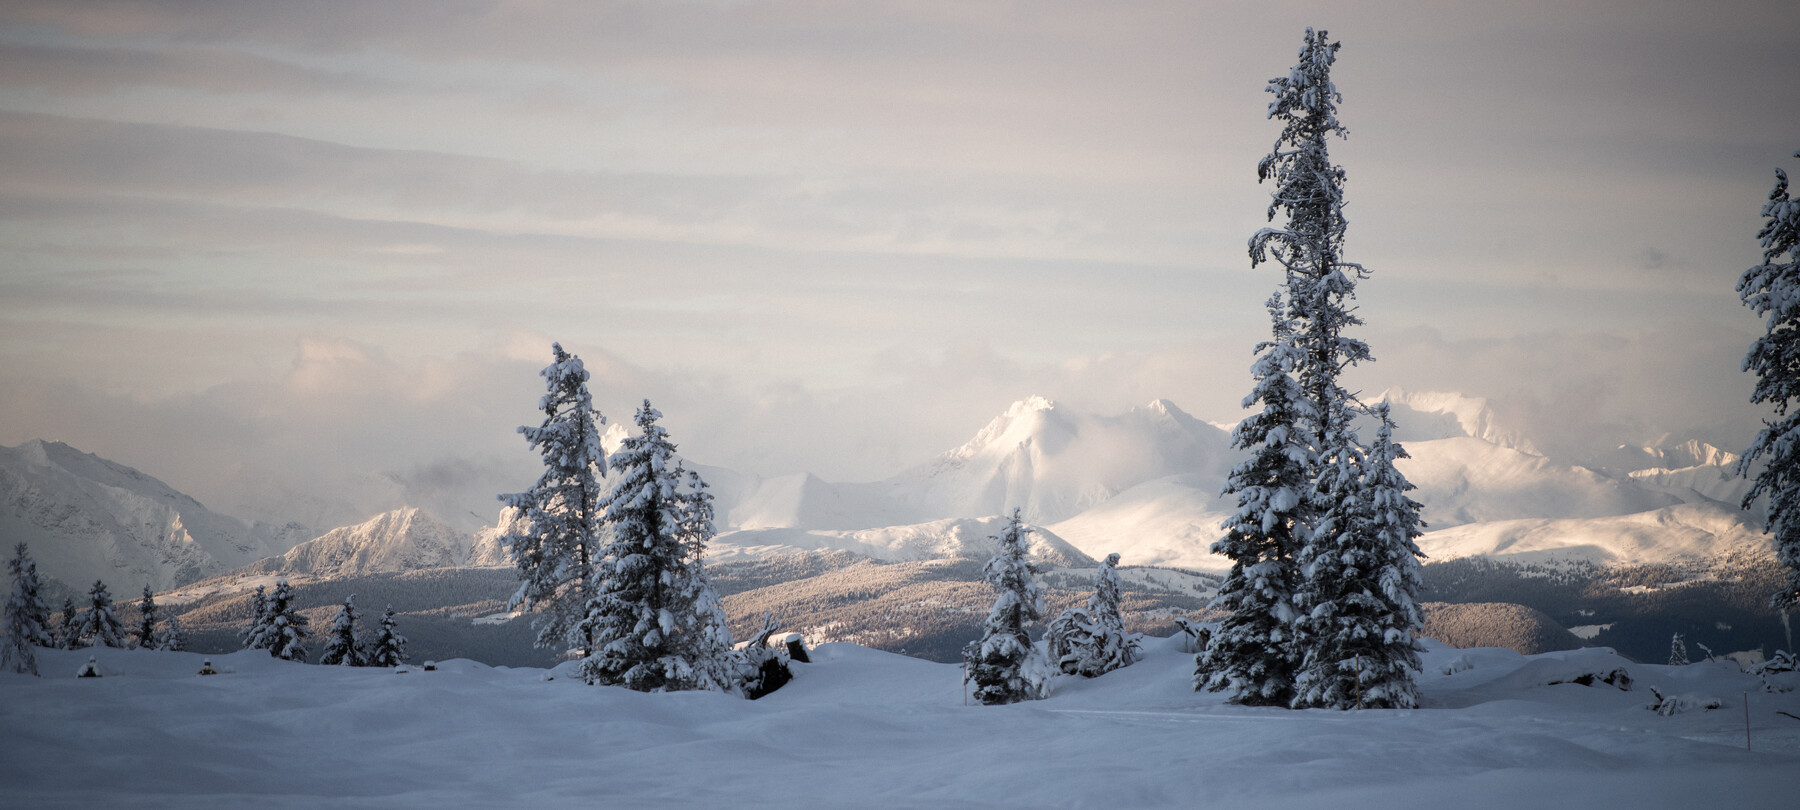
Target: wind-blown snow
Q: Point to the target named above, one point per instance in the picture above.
(860, 728)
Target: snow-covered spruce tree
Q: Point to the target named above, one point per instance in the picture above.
(1003, 664)
(285, 631)
(340, 640)
(560, 543)
(98, 624)
(656, 623)
(255, 636)
(1251, 654)
(1678, 656)
(1357, 609)
(387, 648)
(1772, 290)
(1092, 641)
(1309, 194)
(66, 638)
(27, 616)
(172, 638)
(145, 635)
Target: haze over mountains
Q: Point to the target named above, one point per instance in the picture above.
(1143, 484)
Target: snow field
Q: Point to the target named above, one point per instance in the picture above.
(862, 728)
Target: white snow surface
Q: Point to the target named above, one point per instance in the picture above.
(862, 728)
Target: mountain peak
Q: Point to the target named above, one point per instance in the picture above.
(403, 539)
(1446, 415)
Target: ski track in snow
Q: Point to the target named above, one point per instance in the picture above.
(862, 728)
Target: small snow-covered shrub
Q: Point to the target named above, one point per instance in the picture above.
(1460, 663)
(1781, 673)
(756, 669)
(1617, 676)
(1670, 705)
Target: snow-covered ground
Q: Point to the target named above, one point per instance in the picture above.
(861, 728)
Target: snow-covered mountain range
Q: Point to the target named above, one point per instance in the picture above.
(86, 518)
(1144, 484)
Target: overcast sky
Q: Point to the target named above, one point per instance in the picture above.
(280, 245)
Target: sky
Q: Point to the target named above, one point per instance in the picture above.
(278, 252)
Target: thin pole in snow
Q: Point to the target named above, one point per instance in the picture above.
(1746, 721)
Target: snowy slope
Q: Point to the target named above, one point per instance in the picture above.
(401, 540)
(942, 539)
(1467, 480)
(87, 518)
(860, 728)
(1167, 521)
(1686, 533)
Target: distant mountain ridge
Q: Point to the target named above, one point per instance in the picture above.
(1144, 483)
(87, 518)
(392, 542)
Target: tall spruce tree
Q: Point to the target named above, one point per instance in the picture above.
(1251, 654)
(1678, 656)
(340, 640)
(255, 636)
(657, 623)
(560, 543)
(27, 616)
(285, 631)
(387, 648)
(1772, 290)
(1357, 607)
(97, 623)
(145, 634)
(1004, 665)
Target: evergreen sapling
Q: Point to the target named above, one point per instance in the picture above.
(173, 638)
(66, 637)
(255, 636)
(657, 624)
(27, 625)
(1092, 641)
(387, 648)
(285, 632)
(146, 626)
(1003, 664)
(1358, 614)
(98, 624)
(340, 640)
